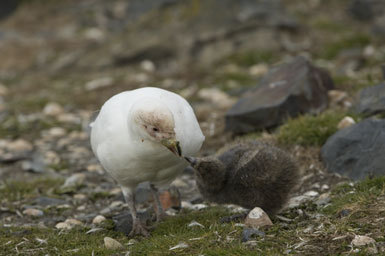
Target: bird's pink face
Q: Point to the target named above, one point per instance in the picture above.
(160, 127)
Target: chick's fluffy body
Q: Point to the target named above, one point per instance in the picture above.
(248, 174)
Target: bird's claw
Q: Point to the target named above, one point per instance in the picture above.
(161, 216)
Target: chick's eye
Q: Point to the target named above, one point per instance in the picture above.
(155, 129)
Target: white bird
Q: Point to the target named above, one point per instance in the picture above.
(139, 136)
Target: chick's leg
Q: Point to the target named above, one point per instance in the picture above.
(137, 226)
(160, 214)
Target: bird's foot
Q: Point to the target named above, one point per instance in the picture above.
(161, 216)
(138, 229)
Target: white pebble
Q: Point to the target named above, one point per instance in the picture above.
(111, 243)
(98, 219)
(33, 212)
(362, 240)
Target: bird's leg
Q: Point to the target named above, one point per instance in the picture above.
(160, 214)
(137, 227)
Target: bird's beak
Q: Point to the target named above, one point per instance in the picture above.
(192, 160)
(173, 146)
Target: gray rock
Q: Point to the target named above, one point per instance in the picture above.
(7, 7)
(287, 90)
(371, 100)
(248, 233)
(123, 222)
(48, 201)
(357, 151)
(366, 9)
(35, 165)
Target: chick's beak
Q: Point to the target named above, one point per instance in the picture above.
(173, 146)
(192, 160)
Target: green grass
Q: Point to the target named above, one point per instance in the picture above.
(14, 190)
(249, 58)
(74, 242)
(332, 49)
(359, 195)
(363, 199)
(12, 128)
(310, 130)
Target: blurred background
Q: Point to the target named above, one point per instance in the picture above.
(79, 53)
(61, 60)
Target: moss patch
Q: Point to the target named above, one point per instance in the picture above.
(249, 58)
(330, 233)
(18, 190)
(333, 48)
(309, 130)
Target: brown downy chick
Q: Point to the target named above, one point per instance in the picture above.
(247, 174)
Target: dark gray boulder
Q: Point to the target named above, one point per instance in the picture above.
(371, 100)
(366, 9)
(357, 151)
(286, 91)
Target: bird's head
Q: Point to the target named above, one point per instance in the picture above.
(156, 123)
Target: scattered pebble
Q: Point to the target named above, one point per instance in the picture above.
(311, 193)
(98, 219)
(258, 70)
(68, 224)
(323, 199)
(362, 240)
(115, 191)
(19, 145)
(53, 109)
(3, 90)
(248, 233)
(56, 132)
(181, 245)
(63, 225)
(33, 212)
(116, 205)
(345, 122)
(257, 218)
(99, 83)
(80, 197)
(344, 212)
(147, 65)
(81, 208)
(111, 243)
(74, 180)
(216, 96)
(336, 96)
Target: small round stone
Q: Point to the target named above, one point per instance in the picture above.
(98, 219)
(33, 212)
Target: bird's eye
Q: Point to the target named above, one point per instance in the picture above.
(155, 129)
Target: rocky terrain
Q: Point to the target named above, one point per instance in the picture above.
(306, 76)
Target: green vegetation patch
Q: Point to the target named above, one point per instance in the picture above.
(357, 196)
(332, 49)
(316, 231)
(250, 58)
(15, 190)
(309, 129)
(39, 241)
